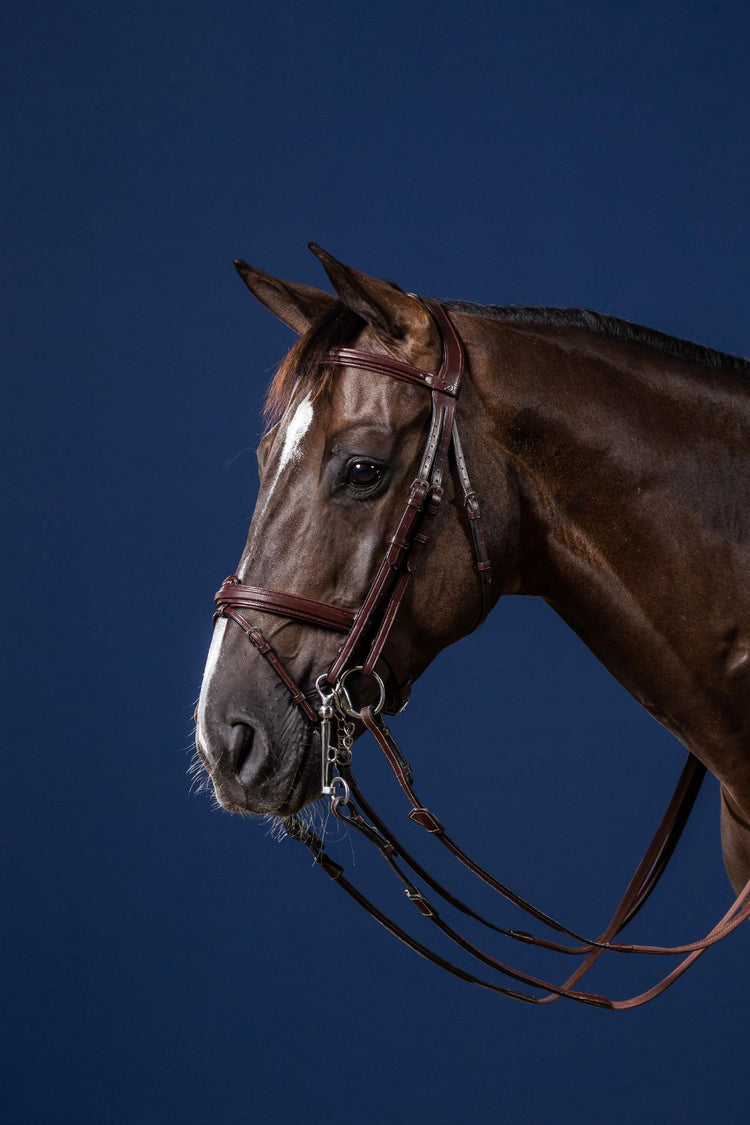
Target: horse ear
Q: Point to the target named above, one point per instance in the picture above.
(297, 305)
(395, 316)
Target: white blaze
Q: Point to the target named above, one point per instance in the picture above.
(212, 662)
(298, 426)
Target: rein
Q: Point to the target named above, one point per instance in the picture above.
(368, 631)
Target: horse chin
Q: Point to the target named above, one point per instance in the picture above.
(278, 774)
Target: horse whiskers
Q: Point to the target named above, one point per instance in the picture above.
(200, 780)
(316, 816)
(274, 827)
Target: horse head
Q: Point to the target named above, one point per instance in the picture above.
(336, 469)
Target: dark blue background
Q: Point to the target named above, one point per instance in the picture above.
(168, 963)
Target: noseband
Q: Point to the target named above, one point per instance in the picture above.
(367, 631)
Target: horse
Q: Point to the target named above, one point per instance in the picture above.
(611, 465)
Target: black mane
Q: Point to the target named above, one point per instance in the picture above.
(607, 326)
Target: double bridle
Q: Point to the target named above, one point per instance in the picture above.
(365, 646)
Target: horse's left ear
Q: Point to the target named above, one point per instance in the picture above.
(397, 317)
(297, 305)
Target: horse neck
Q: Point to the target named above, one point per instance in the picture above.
(604, 437)
(631, 475)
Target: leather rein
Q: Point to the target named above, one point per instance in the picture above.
(368, 630)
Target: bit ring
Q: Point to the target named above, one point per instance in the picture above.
(344, 699)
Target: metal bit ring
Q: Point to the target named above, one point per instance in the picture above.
(344, 699)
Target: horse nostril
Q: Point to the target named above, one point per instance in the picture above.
(241, 739)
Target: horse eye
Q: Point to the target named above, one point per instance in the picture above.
(363, 474)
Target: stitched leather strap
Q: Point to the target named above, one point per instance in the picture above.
(473, 511)
(256, 638)
(381, 365)
(641, 885)
(649, 870)
(235, 594)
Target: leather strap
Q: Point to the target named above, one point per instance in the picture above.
(238, 596)
(648, 874)
(474, 514)
(381, 365)
(256, 638)
(642, 883)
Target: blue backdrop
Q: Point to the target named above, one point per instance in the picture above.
(168, 963)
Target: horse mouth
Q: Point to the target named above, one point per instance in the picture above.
(267, 760)
(305, 785)
(255, 774)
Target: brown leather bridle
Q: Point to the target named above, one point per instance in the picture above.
(368, 631)
(374, 620)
